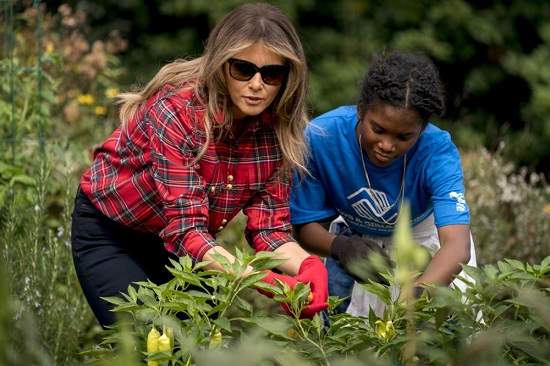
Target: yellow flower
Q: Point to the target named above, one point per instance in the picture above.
(49, 47)
(546, 209)
(86, 99)
(385, 331)
(100, 110)
(111, 92)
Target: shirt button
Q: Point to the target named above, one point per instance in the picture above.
(213, 189)
(224, 221)
(230, 178)
(229, 186)
(220, 228)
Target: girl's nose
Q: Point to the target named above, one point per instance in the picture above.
(387, 145)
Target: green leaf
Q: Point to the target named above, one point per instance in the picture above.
(317, 324)
(252, 279)
(22, 179)
(276, 326)
(222, 260)
(504, 267)
(372, 317)
(200, 265)
(490, 271)
(379, 290)
(269, 288)
(301, 292)
(545, 262)
(132, 293)
(268, 263)
(223, 323)
(114, 300)
(516, 264)
(175, 264)
(244, 305)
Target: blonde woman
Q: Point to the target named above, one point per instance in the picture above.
(205, 139)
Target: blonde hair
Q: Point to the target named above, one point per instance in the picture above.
(244, 26)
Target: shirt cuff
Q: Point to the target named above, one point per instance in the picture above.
(269, 240)
(194, 243)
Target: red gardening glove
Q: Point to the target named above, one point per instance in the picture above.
(270, 279)
(314, 272)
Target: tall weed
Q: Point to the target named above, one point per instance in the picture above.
(39, 265)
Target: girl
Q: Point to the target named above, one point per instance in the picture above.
(204, 139)
(366, 160)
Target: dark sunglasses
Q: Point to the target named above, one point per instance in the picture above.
(243, 71)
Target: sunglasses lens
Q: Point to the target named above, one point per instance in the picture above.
(274, 74)
(242, 70)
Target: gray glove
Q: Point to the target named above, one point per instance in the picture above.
(354, 253)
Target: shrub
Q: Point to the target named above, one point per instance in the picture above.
(510, 210)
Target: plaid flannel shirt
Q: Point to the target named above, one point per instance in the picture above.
(144, 176)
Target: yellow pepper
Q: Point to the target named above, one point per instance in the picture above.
(164, 344)
(215, 339)
(153, 344)
(385, 331)
(169, 331)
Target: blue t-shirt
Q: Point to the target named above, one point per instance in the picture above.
(337, 184)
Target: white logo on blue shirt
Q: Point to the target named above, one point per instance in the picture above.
(373, 206)
(460, 201)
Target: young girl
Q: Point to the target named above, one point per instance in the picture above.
(366, 160)
(204, 139)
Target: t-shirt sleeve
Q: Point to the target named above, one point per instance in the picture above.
(309, 201)
(445, 183)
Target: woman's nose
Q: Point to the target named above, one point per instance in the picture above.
(256, 81)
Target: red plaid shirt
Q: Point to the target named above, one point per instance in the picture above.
(143, 176)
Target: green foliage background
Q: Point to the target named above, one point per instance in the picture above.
(493, 54)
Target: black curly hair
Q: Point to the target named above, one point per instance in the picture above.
(403, 80)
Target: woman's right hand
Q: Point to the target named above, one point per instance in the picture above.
(313, 271)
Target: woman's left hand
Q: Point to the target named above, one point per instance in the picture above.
(313, 271)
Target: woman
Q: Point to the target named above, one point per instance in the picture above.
(366, 160)
(204, 139)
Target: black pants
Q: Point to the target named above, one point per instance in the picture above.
(108, 257)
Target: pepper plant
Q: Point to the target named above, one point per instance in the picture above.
(217, 318)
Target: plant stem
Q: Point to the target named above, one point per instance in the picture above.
(304, 335)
